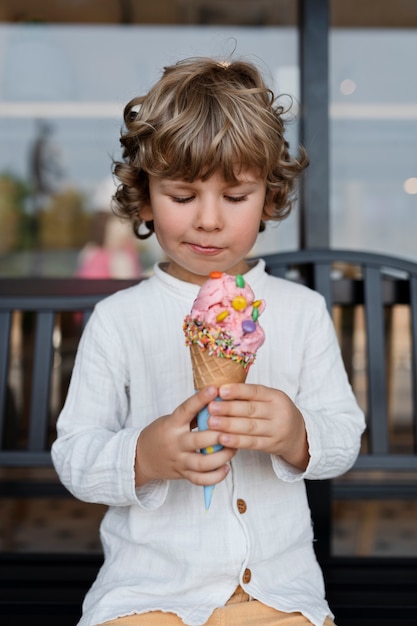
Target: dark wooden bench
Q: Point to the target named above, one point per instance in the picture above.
(362, 590)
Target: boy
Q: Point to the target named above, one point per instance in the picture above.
(205, 164)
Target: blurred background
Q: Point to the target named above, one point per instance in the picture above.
(68, 67)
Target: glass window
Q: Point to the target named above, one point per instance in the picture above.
(373, 127)
(63, 87)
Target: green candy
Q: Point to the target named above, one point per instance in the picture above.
(255, 313)
(240, 281)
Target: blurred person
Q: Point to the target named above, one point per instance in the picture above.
(112, 251)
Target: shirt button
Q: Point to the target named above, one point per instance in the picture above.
(241, 506)
(247, 575)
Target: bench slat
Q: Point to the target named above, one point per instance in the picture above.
(41, 377)
(323, 283)
(413, 303)
(5, 326)
(376, 369)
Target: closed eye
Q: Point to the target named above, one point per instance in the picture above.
(185, 199)
(181, 199)
(236, 198)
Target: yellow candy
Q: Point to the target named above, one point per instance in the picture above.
(222, 316)
(239, 303)
(257, 303)
(209, 450)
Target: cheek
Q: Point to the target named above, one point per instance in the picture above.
(246, 227)
(166, 230)
(244, 236)
(166, 220)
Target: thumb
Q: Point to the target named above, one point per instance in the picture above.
(187, 411)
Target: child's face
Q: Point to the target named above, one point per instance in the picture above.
(204, 226)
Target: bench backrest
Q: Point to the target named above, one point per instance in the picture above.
(377, 284)
(43, 301)
(346, 279)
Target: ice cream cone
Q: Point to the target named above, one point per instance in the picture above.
(210, 369)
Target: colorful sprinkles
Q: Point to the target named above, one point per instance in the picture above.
(217, 342)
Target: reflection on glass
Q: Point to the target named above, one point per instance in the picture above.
(373, 130)
(62, 93)
(410, 186)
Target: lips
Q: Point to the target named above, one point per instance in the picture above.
(205, 250)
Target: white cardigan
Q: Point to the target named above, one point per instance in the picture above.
(163, 550)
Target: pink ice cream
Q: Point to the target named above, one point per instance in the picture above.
(224, 319)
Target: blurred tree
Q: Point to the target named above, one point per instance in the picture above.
(13, 227)
(65, 223)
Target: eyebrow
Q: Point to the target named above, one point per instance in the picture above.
(178, 184)
(183, 184)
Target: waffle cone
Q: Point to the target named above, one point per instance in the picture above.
(214, 370)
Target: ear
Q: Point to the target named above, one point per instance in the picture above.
(145, 212)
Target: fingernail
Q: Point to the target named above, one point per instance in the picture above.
(225, 391)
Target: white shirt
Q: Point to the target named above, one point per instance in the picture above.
(163, 550)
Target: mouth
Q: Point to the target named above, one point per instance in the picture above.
(204, 250)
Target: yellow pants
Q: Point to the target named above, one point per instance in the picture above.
(239, 611)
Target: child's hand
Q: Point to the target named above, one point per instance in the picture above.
(168, 449)
(260, 418)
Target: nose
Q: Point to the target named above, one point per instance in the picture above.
(209, 214)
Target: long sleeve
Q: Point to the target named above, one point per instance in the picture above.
(96, 446)
(334, 422)
(93, 454)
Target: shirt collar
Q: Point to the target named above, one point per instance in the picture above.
(187, 290)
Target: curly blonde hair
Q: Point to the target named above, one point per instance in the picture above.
(201, 117)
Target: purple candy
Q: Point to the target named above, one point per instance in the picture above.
(248, 326)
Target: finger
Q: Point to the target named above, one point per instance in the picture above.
(204, 463)
(238, 408)
(208, 469)
(202, 439)
(246, 433)
(186, 412)
(208, 478)
(244, 391)
(245, 442)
